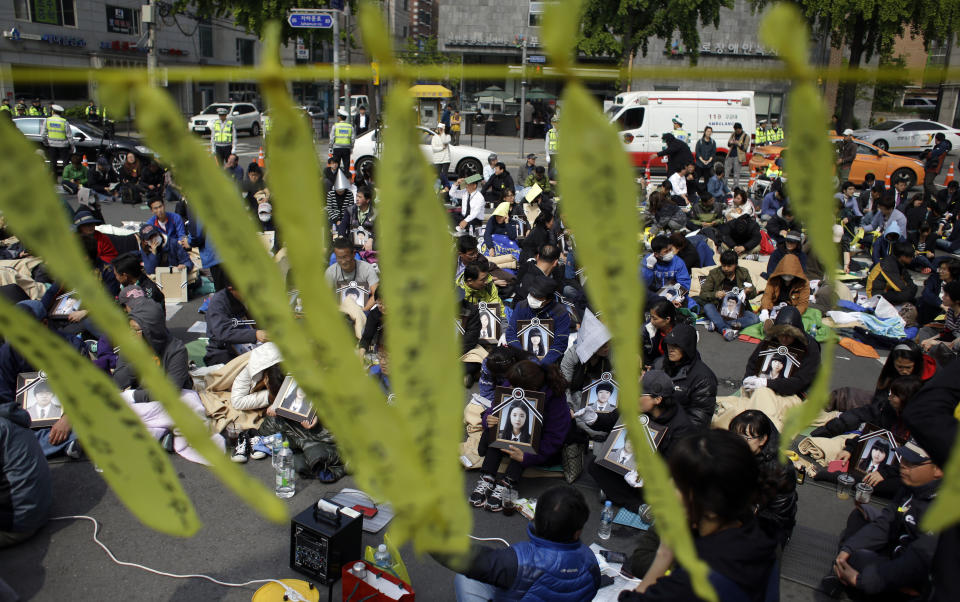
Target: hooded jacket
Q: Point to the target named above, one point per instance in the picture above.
(25, 483)
(666, 273)
(883, 246)
(804, 347)
(798, 289)
(242, 395)
(169, 350)
(890, 280)
(677, 152)
(780, 252)
(743, 231)
(694, 383)
(551, 310)
(222, 314)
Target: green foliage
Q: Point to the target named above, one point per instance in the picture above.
(253, 15)
(885, 95)
(620, 27)
(429, 54)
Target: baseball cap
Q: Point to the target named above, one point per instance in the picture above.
(795, 236)
(265, 208)
(531, 156)
(656, 383)
(148, 231)
(543, 287)
(913, 453)
(848, 132)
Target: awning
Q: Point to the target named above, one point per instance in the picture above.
(430, 91)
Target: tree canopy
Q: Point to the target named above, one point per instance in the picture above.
(253, 15)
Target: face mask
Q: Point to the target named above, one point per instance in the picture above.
(667, 257)
(264, 217)
(787, 278)
(534, 303)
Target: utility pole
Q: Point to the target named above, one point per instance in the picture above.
(346, 84)
(148, 17)
(523, 91)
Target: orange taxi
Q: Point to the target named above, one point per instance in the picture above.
(870, 159)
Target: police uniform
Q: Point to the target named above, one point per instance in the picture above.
(36, 110)
(55, 137)
(552, 147)
(775, 135)
(223, 138)
(341, 142)
(761, 135)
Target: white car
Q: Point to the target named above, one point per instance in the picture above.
(245, 116)
(906, 135)
(464, 160)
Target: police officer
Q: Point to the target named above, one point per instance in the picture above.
(776, 132)
(223, 137)
(36, 110)
(761, 135)
(5, 107)
(21, 108)
(552, 145)
(55, 138)
(266, 124)
(341, 141)
(678, 132)
(91, 114)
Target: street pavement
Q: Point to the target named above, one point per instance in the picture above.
(236, 544)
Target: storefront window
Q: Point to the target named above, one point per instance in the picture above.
(52, 12)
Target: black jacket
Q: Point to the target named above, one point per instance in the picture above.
(470, 322)
(539, 235)
(222, 312)
(778, 515)
(695, 384)
(99, 180)
(907, 550)
(677, 152)
(498, 183)
(890, 280)
(805, 347)
(743, 231)
(675, 419)
(878, 413)
(744, 555)
(373, 330)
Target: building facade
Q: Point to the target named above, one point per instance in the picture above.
(109, 33)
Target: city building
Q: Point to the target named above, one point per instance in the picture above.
(109, 33)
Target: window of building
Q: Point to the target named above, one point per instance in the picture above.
(205, 38)
(768, 105)
(425, 17)
(52, 12)
(406, 4)
(245, 52)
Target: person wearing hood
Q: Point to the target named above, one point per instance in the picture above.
(677, 153)
(694, 383)
(719, 496)
(890, 279)
(159, 250)
(786, 285)
(713, 292)
(662, 268)
(541, 303)
(791, 243)
(885, 552)
(883, 245)
(147, 319)
(741, 234)
(25, 473)
(586, 360)
(229, 327)
(253, 390)
(86, 225)
(339, 200)
(658, 403)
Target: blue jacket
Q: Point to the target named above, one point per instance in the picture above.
(664, 274)
(538, 570)
(882, 247)
(561, 327)
(175, 228)
(718, 188)
(171, 254)
(198, 238)
(770, 204)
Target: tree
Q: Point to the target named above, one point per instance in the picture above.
(425, 51)
(869, 27)
(620, 28)
(253, 15)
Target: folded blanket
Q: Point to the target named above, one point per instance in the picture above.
(821, 449)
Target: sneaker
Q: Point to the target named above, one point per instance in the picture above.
(241, 452)
(166, 442)
(735, 324)
(495, 500)
(74, 451)
(711, 327)
(730, 334)
(483, 488)
(258, 448)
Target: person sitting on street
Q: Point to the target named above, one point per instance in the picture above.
(781, 224)
(890, 278)
(478, 285)
(931, 297)
(728, 313)
(74, 175)
(348, 269)
(541, 303)
(773, 201)
(717, 186)
(152, 181)
(787, 287)
(102, 179)
(362, 214)
(790, 243)
(157, 250)
(742, 205)
(170, 224)
(741, 234)
(129, 272)
(586, 361)
(339, 200)
(662, 268)
(25, 473)
(706, 215)
(663, 212)
(86, 225)
(694, 383)
(664, 317)
(230, 329)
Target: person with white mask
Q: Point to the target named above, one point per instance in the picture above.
(541, 305)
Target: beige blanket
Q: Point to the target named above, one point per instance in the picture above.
(20, 272)
(821, 449)
(754, 267)
(216, 400)
(773, 405)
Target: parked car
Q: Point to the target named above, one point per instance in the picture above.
(464, 160)
(89, 140)
(870, 159)
(920, 104)
(906, 135)
(245, 116)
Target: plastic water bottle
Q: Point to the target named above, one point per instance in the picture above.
(275, 443)
(606, 521)
(382, 558)
(286, 476)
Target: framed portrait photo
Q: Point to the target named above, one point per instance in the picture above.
(353, 292)
(778, 362)
(490, 325)
(536, 335)
(36, 397)
(521, 418)
(876, 448)
(601, 395)
(292, 403)
(617, 451)
(173, 283)
(674, 293)
(732, 304)
(361, 237)
(64, 305)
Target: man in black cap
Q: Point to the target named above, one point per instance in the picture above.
(86, 224)
(541, 304)
(527, 170)
(886, 552)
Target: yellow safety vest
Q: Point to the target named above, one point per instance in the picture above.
(222, 132)
(761, 137)
(777, 134)
(56, 128)
(552, 141)
(772, 171)
(34, 111)
(267, 124)
(5, 108)
(342, 134)
(681, 135)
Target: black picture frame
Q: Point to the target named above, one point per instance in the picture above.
(350, 288)
(509, 399)
(778, 362)
(29, 385)
(617, 441)
(360, 237)
(291, 403)
(64, 305)
(590, 395)
(492, 330)
(872, 437)
(529, 330)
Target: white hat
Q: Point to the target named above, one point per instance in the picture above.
(342, 183)
(221, 111)
(837, 232)
(848, 132)
(676, 119)
(265, 208)
(57, 108)
(343, 113)
(441, 126)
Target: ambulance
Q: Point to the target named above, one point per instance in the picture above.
(642, 118)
